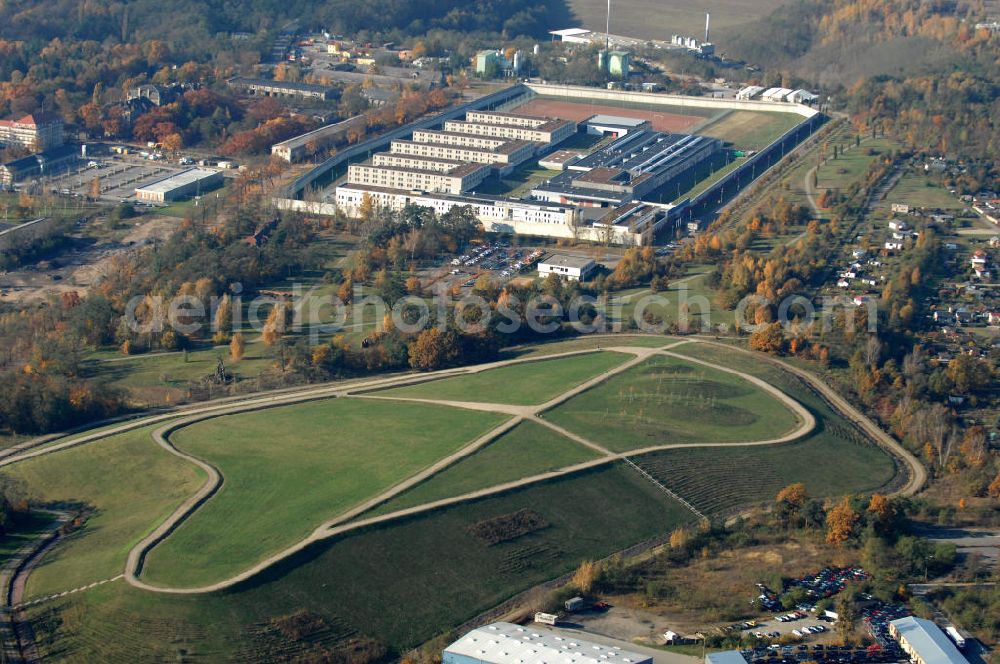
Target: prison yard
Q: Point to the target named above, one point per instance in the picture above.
(351, 506)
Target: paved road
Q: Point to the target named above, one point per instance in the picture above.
(360, 389)
(984, 541)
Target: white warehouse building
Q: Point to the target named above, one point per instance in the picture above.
(506, 643)
(192, 182)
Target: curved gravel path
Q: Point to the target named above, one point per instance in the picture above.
(362, 388)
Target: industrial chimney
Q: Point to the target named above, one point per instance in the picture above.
(708, 18)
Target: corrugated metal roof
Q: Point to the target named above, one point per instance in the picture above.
(928, 641)
(506, 643)
(727, 657)
(176, 180)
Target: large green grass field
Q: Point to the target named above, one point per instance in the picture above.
(519, 384)
(401, 583)
(917, 190)
(527, 449)
(667, 401)
(126, 482)
(290, 468)
(749, 129)
(286, 470)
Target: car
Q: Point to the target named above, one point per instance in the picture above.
(796, 632)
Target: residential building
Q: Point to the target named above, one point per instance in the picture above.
(551, 131)
(459, 178)
(156, 95)
(177, 186)
(36, 132)
(571, 268)
(924, 642)
(506, 643)
(505, 155)
(458, 138)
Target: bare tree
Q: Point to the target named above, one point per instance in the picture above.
(873, 351)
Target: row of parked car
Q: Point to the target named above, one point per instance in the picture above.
(877, 617)
(828, 581)
(821, 654)
(476, 255)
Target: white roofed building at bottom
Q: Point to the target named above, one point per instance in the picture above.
(506, 643)
(725, 657)
(924, 642)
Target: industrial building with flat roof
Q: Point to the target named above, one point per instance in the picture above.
(299, 147)
(506, 643)
(50, 162)
(602, 125)
(924, 642)
(629, 168)
(725, 657)
(185, 184)
(501, 215)
(571, 268)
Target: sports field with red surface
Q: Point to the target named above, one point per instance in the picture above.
(579, 111)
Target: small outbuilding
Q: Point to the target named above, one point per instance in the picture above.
(571, 268)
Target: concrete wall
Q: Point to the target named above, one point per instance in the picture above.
(579, 92)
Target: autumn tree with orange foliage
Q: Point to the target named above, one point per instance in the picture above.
(840, 523)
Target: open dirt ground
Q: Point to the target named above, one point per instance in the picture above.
(568, 110)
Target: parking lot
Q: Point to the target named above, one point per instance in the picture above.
(118, 178)
(498, 261)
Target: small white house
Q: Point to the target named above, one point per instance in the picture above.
(901, 208)
(893, 246)
(896, 225)
(571, 268)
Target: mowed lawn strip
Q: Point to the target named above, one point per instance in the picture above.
(288, 469)
(527, 449)
(666, 401)
(401, 584)
(129, 485)
(518, 384)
